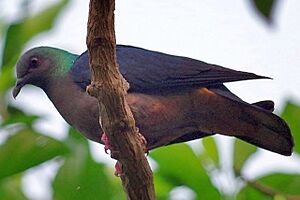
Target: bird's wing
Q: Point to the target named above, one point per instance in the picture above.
(80, 71)
(151, 71)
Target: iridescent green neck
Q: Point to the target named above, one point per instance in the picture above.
(63, 60)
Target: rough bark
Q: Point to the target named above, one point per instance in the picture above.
(109, 87)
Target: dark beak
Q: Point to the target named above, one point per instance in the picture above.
(20, 83)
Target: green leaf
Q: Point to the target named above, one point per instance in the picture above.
(117, 190)
(162, 186)
(279, 197)
(211, 150)
(2, 25)
(291, 114)
(20, 33)
(10, 189)
(241, 152)
(75, 137)
(283, 184)
(18, 116)
(249, 193)
(27, 149)
(7, 79)
(265, 7)
(179, 165)
(80, 177)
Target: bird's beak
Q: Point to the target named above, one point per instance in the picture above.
(20, 83)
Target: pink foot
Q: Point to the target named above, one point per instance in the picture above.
(118, 168)
(107, 145)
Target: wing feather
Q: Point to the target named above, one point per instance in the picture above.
(147, 70)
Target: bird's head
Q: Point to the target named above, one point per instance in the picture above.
(38, 65)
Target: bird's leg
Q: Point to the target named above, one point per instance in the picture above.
(107, 146)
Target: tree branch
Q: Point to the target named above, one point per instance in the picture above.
(262, 188)
(267, 190)
(116, 118)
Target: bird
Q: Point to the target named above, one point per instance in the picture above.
(173, 98)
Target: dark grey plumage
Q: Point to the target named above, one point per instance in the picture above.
(173, 99)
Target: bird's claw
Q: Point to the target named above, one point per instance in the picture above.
(119, 170)
(106, 150)
(107, 145)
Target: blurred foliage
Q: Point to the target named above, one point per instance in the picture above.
(10, 189)
(27, 154)
(19, 33)
(210, 154)
(265, 8)
(291, 114)
(285, 186)
(183, 167)
(81, 177)
(242, 152)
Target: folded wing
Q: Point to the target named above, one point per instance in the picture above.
(152, 71)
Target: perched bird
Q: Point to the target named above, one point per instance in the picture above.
(173, 99)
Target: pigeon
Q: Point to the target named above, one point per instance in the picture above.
(173, 99)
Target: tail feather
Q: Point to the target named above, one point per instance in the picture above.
(267, 105)
(272, 132)
(252, 123)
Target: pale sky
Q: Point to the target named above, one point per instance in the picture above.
(226, 33)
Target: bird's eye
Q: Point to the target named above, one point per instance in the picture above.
(34, 62)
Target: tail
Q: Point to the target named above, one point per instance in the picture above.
(266, 105)
(253, 123)
(272, 132)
